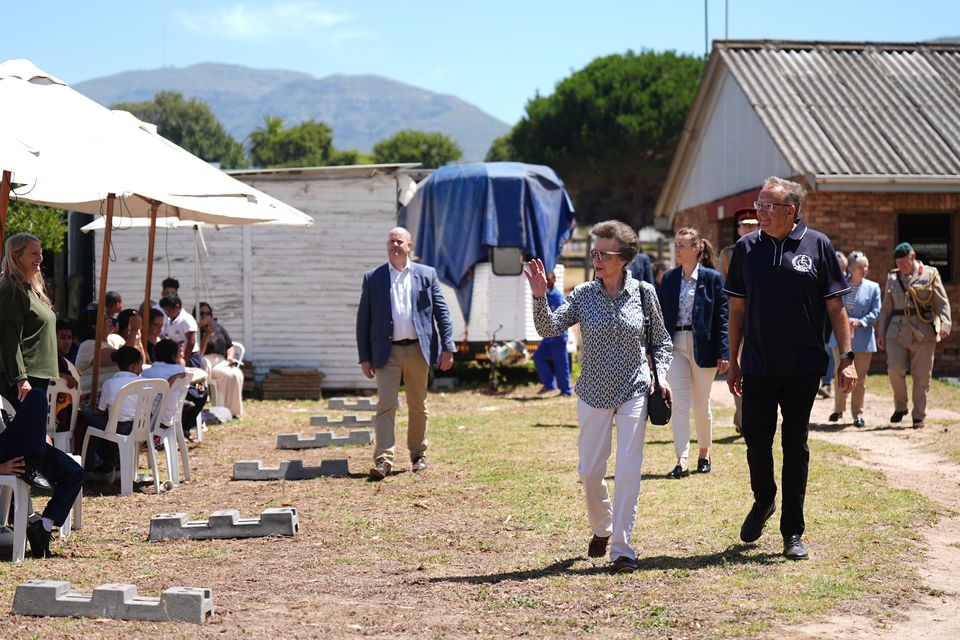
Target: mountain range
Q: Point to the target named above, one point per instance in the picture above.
(361, 109)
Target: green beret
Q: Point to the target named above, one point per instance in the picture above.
(902, 249)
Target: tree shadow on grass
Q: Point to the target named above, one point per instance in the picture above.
(734, 554)
(551, 426)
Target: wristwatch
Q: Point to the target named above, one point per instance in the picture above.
(848, 356)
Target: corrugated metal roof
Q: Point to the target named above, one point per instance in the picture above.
(855, 109)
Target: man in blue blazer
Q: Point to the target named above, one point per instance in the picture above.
(403, 327)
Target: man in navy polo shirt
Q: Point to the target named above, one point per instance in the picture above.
(783, 284)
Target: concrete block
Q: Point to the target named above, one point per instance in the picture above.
(118, 601)
(224, 524)
(345, 421)
(323, 439)
(288, 470)
(346, 404)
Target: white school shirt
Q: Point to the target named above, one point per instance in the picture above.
(401, 303)
(165, 371)
(109, 391)
(178, 329)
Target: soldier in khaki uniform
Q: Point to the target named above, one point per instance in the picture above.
(914, 317)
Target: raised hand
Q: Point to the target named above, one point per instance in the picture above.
(536, 277)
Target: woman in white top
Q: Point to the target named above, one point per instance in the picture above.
(217, 349)
(165, 367)
(127, 334)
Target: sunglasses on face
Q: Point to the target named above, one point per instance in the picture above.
(603, 256)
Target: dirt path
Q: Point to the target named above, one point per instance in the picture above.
(900, 454)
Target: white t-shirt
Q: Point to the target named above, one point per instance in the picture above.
(179, 327)
(165, 371)
(109, 391)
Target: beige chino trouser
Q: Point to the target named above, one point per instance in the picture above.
(917, 359)
(406, 364)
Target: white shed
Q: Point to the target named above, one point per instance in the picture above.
(288, 294)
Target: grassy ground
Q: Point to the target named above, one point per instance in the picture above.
(942, 406)
(491, 541)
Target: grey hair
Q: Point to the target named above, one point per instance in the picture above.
(793, 192)
(858, 258)
(625, 236)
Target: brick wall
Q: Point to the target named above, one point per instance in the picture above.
(865, 221)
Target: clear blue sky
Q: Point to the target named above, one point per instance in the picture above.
(494, 54)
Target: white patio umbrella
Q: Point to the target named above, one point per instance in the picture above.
(92, 156)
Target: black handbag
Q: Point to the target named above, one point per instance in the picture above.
(659, 409)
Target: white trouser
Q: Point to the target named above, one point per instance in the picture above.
(691, 389)
(594, 447)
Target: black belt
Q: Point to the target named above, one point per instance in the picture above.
(684, 327)
(406, 343)
(897, 312)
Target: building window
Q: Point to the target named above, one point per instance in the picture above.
(931, 237)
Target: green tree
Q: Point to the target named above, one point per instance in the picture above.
(409, 145)
(610, 130)
(49, 225)
(348, 157)
(190, 124)
(501, 150)
(308, 144)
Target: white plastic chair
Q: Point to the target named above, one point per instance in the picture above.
(13, 488)
(144, 422)
(62, 440)
(173, 437)
(238, 351)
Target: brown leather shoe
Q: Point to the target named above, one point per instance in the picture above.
(380, 470)
(598, 546)
(419, 463)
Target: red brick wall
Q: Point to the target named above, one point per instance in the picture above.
(865, 221)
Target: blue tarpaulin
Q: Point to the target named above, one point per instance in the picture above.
(464, 210)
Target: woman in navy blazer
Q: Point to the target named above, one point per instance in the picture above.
(862, 303)
(695, 312)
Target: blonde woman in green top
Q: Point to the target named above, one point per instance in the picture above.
(28, 351)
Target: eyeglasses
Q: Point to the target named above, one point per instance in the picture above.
(603, 256)
(206, 314)
(767, 207)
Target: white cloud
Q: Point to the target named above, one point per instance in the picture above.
(258, 23)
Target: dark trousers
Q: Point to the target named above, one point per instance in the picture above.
(66, 476)
(551, 361)
(26, 434)
(794, 396)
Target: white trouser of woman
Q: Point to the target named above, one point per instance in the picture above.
(229, 381)
(594, 444)
(691, 390)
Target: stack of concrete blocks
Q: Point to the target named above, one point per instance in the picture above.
(345, 404)
(288, 470)
(323, 439)
(347, 420)
(118, 601)
(225, 524)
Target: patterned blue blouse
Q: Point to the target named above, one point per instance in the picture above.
(613, 360)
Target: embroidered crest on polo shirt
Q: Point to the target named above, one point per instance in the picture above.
(802, 263)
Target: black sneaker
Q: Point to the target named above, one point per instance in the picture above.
(39, 539)
(794, 549)
(624, 564)
(598, 546)
(753, 524)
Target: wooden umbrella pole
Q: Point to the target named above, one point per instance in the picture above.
(102, 301)
(4, 202)
(151, 243)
